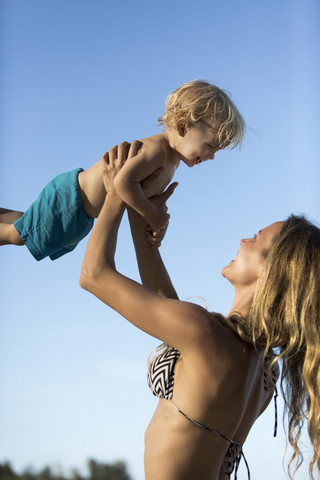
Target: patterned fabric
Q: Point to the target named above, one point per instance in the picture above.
(161, 375)
(232, 460)
(161, 381)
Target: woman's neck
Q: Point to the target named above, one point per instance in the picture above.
(242, 302)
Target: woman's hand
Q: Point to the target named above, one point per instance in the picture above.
(114, 159)
(155, 237)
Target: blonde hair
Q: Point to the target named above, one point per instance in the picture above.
(284, 323)
(285, 319)
(199, 101)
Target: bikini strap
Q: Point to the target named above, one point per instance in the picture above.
(275, 412)
(231, 442)
(237, 463)
(274, 378)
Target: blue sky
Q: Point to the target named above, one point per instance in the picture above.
(78, 77)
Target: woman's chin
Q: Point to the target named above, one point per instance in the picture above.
(225, 270)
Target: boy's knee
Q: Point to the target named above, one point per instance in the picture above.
(15, 238)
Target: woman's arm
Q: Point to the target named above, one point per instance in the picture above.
(153, 273)
(174, 322)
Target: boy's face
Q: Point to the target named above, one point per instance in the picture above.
(197, 144)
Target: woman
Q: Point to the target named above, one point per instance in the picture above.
(217, 376)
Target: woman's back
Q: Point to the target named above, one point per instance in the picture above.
(218, 389)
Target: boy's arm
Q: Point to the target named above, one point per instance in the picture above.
(127, 184)
(152, 270)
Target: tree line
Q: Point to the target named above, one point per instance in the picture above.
(97, 471)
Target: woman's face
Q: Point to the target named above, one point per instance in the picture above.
(246, 268)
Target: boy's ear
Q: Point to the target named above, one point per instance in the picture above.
(182, 127)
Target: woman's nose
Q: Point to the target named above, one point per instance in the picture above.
(244, 240)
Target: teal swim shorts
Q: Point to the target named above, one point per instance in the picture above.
(56, 222)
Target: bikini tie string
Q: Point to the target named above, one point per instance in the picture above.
(238, 463)
(234, 447)
(275, 412)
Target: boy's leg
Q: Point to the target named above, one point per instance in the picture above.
(8, 233)
(9, 216)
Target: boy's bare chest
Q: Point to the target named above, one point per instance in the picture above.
(160, 183)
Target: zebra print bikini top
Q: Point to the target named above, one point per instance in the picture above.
(161, 380)
(161, 374)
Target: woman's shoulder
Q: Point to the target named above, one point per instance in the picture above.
(218, 356)
(226, 341)
(214, 334)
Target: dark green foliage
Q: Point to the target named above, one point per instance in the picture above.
(6, 472)
(97, 471)
(100, 471)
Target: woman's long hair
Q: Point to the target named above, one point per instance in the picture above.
(285, 319)
(284, 322)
